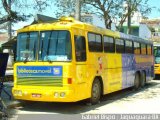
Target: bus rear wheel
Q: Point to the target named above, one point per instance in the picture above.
(95, 92)
(136, 81)
(143, 79)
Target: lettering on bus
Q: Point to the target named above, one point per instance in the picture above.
(39, 70)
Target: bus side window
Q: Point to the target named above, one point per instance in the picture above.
(109, 44)
(143, 49)
(137, 48)
(80, 48)
(149, 49)
(119, 46)
(128, 46)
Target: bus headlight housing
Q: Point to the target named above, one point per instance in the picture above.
(62, 94)
(18, 92)
(56, 94)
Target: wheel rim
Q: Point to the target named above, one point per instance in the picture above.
(143, 80)
(136, 81)
(95, 92)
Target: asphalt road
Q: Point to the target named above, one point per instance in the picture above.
(145, 100)
(118, 102)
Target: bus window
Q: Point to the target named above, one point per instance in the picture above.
(137, 47)
(55, 46)
(95, 42)
(99, 47)
(143, 49)
(80, 48)
(119, 46)
(149, 49)
(128, 47)
(27, 47)
(157, 54)
(157, 51)
(109, 44)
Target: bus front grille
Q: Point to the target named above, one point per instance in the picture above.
(40, 81)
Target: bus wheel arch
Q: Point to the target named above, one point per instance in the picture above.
(96, 90)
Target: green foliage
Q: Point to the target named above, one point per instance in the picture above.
(20, 9)
(109, 10)
(65, 8)
(152, 29)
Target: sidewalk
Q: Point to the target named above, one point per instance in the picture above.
(10, 103)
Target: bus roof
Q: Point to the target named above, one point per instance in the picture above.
(135, 38)
(66, 23)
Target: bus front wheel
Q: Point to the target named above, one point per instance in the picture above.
(95, 92)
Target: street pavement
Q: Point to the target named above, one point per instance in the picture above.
(145, 100)
(8, 84)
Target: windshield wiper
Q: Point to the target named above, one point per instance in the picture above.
(48, 59)
(26, 59)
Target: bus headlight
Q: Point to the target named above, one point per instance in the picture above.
(56, 94)
(62, 94)
(18, 92)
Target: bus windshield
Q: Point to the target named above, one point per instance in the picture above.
(157, 54)
(27, 46)
(55, 46)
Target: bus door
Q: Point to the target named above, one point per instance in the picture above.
(80, 56)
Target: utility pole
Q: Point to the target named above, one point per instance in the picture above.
(77, 10)
(129, 17)
(9, 23)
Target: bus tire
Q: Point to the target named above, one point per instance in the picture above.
(136, 81)
(143, 79)
(95, 91)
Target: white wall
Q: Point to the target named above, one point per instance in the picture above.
(95, 20)
(98, 21)
(144, 31)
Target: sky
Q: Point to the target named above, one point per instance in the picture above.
(152, 15)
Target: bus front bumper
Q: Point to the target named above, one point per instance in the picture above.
(46, 95)
(157, 72)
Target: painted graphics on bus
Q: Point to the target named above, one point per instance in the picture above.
(68, 61)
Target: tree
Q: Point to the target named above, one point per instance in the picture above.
(20, 9)
(11, 15)
(109, 10)
(133, 6)
(65, 7)
(106, 9)
(119, 10)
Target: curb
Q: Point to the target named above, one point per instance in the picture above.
(13, 104)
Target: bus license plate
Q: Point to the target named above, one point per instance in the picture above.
(36, 95)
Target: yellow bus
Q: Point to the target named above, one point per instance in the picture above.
(157, 59)
(69, 61)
